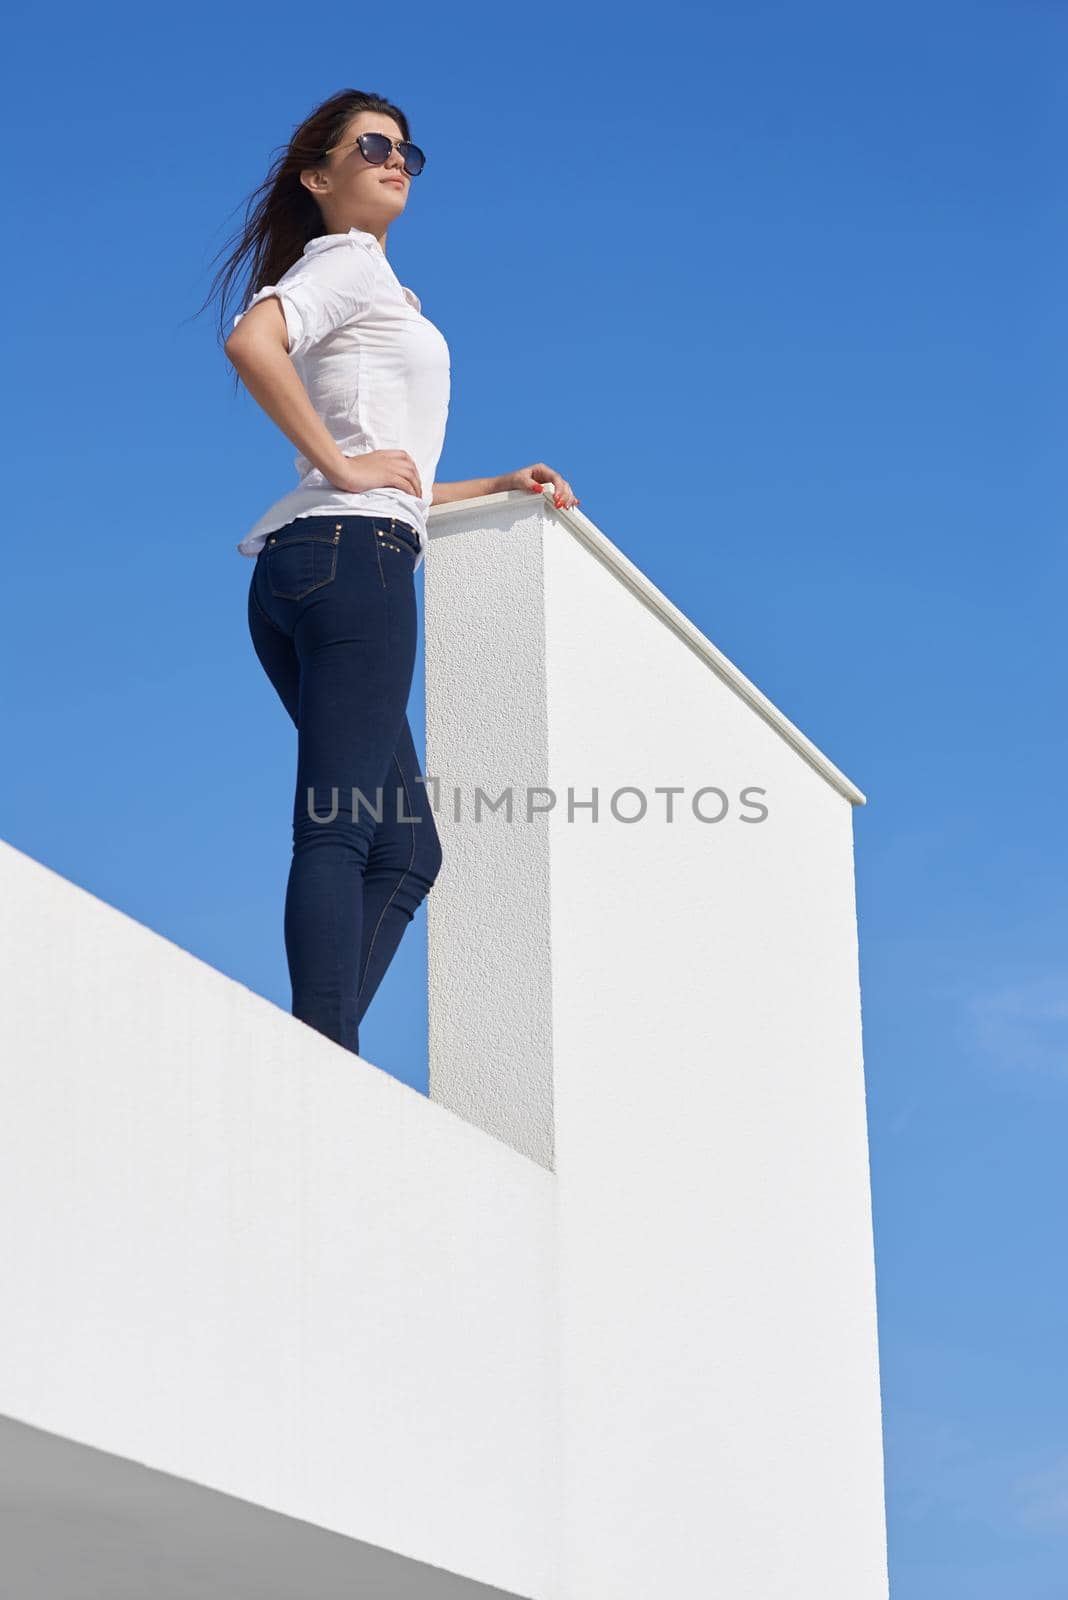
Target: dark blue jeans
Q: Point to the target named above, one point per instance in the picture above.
(331, 610)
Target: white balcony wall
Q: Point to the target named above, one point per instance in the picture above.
(597, 1318)
(236, 1253)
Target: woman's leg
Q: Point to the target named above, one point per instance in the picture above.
(337, 640)
(276, 651)
(403, 862)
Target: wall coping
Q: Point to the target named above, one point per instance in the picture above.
(583, 530)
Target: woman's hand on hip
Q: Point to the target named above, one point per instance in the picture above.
(377, 469)
(536, 477)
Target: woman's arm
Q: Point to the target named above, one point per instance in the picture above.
(258, 349)
(534, 477)
(465, 489)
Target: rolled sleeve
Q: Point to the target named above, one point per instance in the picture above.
(327, 288)
(290, 311)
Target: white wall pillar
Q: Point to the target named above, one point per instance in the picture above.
(667, 1015)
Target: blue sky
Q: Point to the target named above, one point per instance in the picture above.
(779, 288)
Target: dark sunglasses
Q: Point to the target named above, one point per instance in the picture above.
(377, 148)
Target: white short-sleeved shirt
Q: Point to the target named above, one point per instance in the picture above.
(376, 370)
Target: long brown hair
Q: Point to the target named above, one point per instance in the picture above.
(281, 215)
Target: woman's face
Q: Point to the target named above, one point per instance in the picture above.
(352, 193)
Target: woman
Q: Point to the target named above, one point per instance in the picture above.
(339, 355)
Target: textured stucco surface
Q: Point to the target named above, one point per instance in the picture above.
(689, 995)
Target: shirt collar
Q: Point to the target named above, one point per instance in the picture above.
(321, 240)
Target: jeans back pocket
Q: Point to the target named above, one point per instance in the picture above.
(404, 543)
(298, 563)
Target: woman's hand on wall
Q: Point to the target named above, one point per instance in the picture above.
(536, 477)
